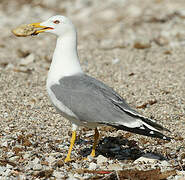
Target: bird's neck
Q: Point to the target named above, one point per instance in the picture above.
(65, 60)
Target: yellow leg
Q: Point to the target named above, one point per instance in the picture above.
(96, 136)
(68, 158)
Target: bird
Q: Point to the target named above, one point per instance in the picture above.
(82, 99)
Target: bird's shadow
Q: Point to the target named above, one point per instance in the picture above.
(118, 148)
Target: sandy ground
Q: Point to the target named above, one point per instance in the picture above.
(136, 47)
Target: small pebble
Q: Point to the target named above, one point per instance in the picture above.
(101, 159)
(142, 43)
(115, 61)
(36, 161)
(92, 166)
(75, 165)
(50, 159)
(27, 60)
(14, 158)
(8, 166)
(115, 167)
(37, 167)
(57, 175)
(4, 144)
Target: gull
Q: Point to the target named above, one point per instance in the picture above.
(82, 99)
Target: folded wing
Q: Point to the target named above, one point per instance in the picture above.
(92, 101)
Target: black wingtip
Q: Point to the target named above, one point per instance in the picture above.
(166, 138)
(145, 131)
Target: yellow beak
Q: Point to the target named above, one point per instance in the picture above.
(42, 28)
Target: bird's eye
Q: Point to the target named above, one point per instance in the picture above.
(56, 21)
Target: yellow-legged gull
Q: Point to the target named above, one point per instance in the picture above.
(82, 99)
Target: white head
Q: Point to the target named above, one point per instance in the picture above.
(65, 58)
(58, 25)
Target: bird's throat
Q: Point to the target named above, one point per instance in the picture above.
(65, 60)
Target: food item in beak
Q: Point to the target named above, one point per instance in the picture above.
(24, 30)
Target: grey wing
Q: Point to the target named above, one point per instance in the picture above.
(120, 103)
(92, 101)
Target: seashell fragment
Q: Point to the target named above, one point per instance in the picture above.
(24, 30)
